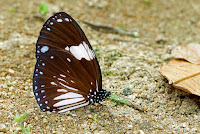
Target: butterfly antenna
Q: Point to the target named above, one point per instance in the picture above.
(110, 116)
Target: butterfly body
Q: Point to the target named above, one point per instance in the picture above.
(67, 74)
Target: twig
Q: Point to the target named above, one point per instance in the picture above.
(110, 29)
(124, 40)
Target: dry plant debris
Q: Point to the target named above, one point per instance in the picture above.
(190, 52)
(183, 75)
(184, 71)
(111, 29)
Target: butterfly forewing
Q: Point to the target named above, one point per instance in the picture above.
(67, 69)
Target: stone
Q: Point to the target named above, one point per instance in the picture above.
(2, 128)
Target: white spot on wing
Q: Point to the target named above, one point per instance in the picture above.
(68, 101)
(62, 90)
(82, 51)
(71, 105)
(97, 88)
(67, 19)
(53, 83)
(69, 59)
(48, 29)
(90, 51)
(59, 20)
(67, 48)
(74, 107)
(79, 52)
(68, 87)
(62, 75)
(52, 57)
(44, 49)
(61, 79)
(68, 95)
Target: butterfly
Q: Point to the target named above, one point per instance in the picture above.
(67, 74)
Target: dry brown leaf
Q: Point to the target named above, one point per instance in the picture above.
(183, 75)
(191, 53)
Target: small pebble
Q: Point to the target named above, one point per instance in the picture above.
(2, 128)
(48, 112)
(29, 111)
(8, 77)
(74, 115)
(184, 125)
(90, 116)
(137, 117)
(11, 71)
(100, 6)
(140, 132)
(130, 126)
(127, 91)
(161, 39)
(45, 120)
(26, 87)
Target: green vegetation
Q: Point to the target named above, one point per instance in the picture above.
(122, 28)
(96, 50)
(135, 34)
(44, 8)
(114, 53)
(115, 100)
(12, 10)
(147, 1)
(19, 119)
(95, 117)
(70, 114)
(110, 73)
(167, 58)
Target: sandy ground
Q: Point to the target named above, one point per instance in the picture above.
(161, 24)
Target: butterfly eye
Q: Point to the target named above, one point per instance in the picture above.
(66, 69)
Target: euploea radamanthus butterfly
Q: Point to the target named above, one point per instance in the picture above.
(67, 74)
